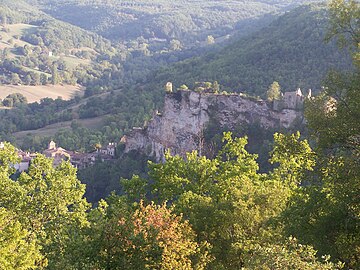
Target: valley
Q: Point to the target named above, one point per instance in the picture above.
(184, 134)
(248, 63)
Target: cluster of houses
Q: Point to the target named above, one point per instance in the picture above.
(58, 154)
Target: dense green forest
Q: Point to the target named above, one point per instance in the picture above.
(200, 212)
(290, 50)
(185, 21)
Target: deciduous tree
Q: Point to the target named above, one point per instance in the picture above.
(226, 201)
(273, 92)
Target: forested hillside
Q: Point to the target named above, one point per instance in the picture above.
(291, 51)
(186, 21)
(38, 49)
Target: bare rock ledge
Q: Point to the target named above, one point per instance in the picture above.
(186, 113)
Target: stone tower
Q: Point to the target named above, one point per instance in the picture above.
(52, 145)
(169, 87)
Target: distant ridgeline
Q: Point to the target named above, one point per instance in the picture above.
(290, 50)
(186, 115)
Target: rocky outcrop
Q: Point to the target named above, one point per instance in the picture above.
(185, 115)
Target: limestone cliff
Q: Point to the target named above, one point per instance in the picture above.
(186, 113)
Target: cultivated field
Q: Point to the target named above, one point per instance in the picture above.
(50, 130)
(11, 38)
(35, 93)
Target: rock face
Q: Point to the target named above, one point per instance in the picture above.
(186, 114)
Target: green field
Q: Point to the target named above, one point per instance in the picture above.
(20, 29)
(36, 93)
(50, 130)
(10, 39)
(73, 61)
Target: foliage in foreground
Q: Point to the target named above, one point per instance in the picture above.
(233, 207)
(330, 212)
(200, 214)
